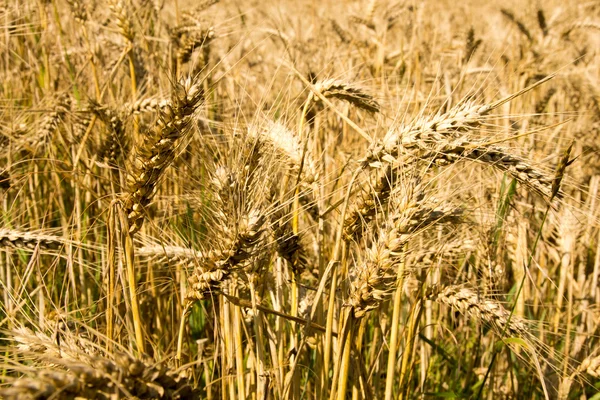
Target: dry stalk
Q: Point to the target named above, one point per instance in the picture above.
(153, 157)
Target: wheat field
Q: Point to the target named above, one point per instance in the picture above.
(285, 199)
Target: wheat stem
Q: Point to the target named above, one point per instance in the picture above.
(345, 350)
(395, 326)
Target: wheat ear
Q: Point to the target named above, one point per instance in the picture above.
(159, 150)
(472, 304)
(443, 139)
(69, 373)
(11, 238)
(373, 280)
(337, 89)
(364, 209)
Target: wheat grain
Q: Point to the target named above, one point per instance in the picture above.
(587, 24)
(147, 105)
(472, 45)
(541, 17)
(344, 35)
(198, 9)
(79, 10)
(240, 227)
(175, 254)
(277, 138)
(196, 40)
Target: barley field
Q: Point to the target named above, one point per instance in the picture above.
(359, 199)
